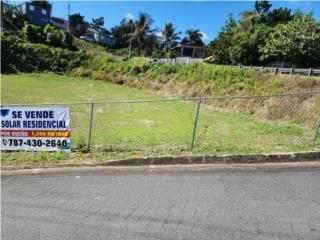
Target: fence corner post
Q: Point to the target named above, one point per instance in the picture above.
(316, 131)
(90, 127)
(195, 123)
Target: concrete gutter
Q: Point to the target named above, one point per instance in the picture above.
(223, 159)
(183, 160)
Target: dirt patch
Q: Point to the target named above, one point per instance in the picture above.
(147, 122)
(99, 110)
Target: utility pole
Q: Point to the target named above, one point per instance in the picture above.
(2, 10)
(130, 49)
(68, 16)
(130, 41)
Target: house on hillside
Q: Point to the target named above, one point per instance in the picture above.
(100, 37)
(191, 51)
(36, 14)
(59, 23)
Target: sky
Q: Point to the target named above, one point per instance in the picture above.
(208, 16)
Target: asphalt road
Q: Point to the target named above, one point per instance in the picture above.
(185, 205)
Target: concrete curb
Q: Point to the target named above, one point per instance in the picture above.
(173, 168)
(224, 159)
(186, 160)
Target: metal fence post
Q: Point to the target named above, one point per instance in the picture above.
(90, 127)
(310, 72)
(195, 123)
(316, 130)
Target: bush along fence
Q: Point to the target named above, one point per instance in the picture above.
(209, 125)
(275, 70)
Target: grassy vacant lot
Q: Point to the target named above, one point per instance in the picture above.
(144, 129)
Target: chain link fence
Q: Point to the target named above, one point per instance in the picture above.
(259, 124)
(208, 125)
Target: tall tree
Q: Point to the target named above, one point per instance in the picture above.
(297, 42)
(169, 36)
(223, 42)
(121, 32)
(248, 20)
(262, 7)
(265, 36)
(42, 3)
(142, 31)
(97, 23)
(78, 25)
(194, 37)
(245, 46)
(279, 15)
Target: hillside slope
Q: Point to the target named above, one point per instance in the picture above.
(197, 79)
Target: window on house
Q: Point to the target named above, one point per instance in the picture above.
(44, 12)
(31, 8)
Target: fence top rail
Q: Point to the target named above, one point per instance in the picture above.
(167, 100)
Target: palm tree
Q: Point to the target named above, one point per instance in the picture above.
(142, 31)
(194, 37)
(169, 36)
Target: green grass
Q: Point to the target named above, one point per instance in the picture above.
(53, 88)
(145, 129)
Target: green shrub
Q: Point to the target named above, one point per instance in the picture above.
(58, 38)
(33, 33)
(48, 35)
(67, 40)
(138, 66)
(18, 55)
(82, 72)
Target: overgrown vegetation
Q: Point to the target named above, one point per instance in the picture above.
(48, 35)
(196, 79)
(268, 36)
(18, 55)
(92, 60)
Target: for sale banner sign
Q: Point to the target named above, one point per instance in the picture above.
(35, 128)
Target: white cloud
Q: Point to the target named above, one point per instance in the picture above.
(205, 36)
(158, 34)
(129, 16)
